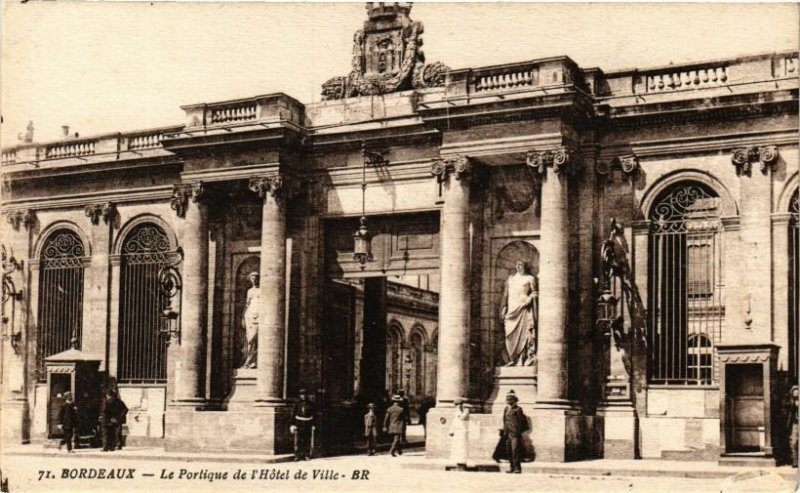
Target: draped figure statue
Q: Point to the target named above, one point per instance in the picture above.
(519, 312)
(250, 322)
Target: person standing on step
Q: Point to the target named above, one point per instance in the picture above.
(109, 414)
(394, 423)
(515, 423)
(68, 422)
(406, 405)
(371, 428)
(304, 422)
(459, 430)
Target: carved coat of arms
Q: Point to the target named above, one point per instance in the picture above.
(387, 56)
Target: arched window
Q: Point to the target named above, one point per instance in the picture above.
(794, 284)
(418, 355)
(142, 349)
(700, 367)
(394, 360)
(685, 284)
(60, 295)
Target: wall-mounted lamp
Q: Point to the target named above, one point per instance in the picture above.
(169, 283)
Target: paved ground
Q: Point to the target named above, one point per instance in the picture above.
(32, 468)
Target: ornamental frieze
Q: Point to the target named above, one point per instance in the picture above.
(743, 158)
(387, 56)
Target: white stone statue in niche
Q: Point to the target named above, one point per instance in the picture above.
(519, 312)
(250, 322)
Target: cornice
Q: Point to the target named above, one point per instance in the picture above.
(73, 166)
(153, 194)
(231, 173)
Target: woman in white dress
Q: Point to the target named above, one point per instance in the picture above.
(459, 430)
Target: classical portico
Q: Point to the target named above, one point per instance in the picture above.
(655, 229)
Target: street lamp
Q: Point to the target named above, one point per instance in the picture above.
(362, 238)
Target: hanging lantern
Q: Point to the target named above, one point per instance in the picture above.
(362, 243)
(606, 310)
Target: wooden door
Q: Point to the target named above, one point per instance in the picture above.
(745, 395)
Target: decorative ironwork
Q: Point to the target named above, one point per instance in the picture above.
(142, 351)
(685, 285)
(61, 271)
(668, 214)
(794, 282)
(10, 293)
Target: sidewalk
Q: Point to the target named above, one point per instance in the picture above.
(611, 467)
(414, 459)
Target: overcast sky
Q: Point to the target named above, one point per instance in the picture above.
(107, 67)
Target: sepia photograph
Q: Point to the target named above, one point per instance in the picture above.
(396, 246)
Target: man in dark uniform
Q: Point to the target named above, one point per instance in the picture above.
(110, 415)
(68, 421)
(514, 425)
(394, 423)
(303, 419)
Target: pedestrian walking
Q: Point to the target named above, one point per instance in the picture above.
(68, 422)
(109, 414)
(394, 424)
(515, 423)
(406, 405)
(304, 422)
(371, 428)
(793, 412)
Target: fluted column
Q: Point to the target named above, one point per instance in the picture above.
(454, 297)
(188, 202)
(553, 167)
(271, 319)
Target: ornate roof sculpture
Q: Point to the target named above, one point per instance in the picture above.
(387, 56)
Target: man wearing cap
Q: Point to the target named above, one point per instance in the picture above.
(406, 405)
(514, 425)
(68, 421)
(303, 419)
(394, 423)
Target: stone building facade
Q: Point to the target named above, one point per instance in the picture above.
(667, 332)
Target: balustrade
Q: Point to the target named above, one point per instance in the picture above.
(8, 157)
(507, 80)
(687, 79)
(234, 113)
(70, 149)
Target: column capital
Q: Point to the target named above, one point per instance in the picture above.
(562, 160)
(460, 167)
(277, 185)
(181, 194)
(743, 158)
(24, 217)
(95, 211)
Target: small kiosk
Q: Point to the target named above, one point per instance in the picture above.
(76, 372)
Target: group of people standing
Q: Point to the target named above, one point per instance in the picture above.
(74, 420)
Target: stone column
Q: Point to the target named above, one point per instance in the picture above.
(453, 364)
(271, 319)
(553, 410)
(187, 202)
(452, 367)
